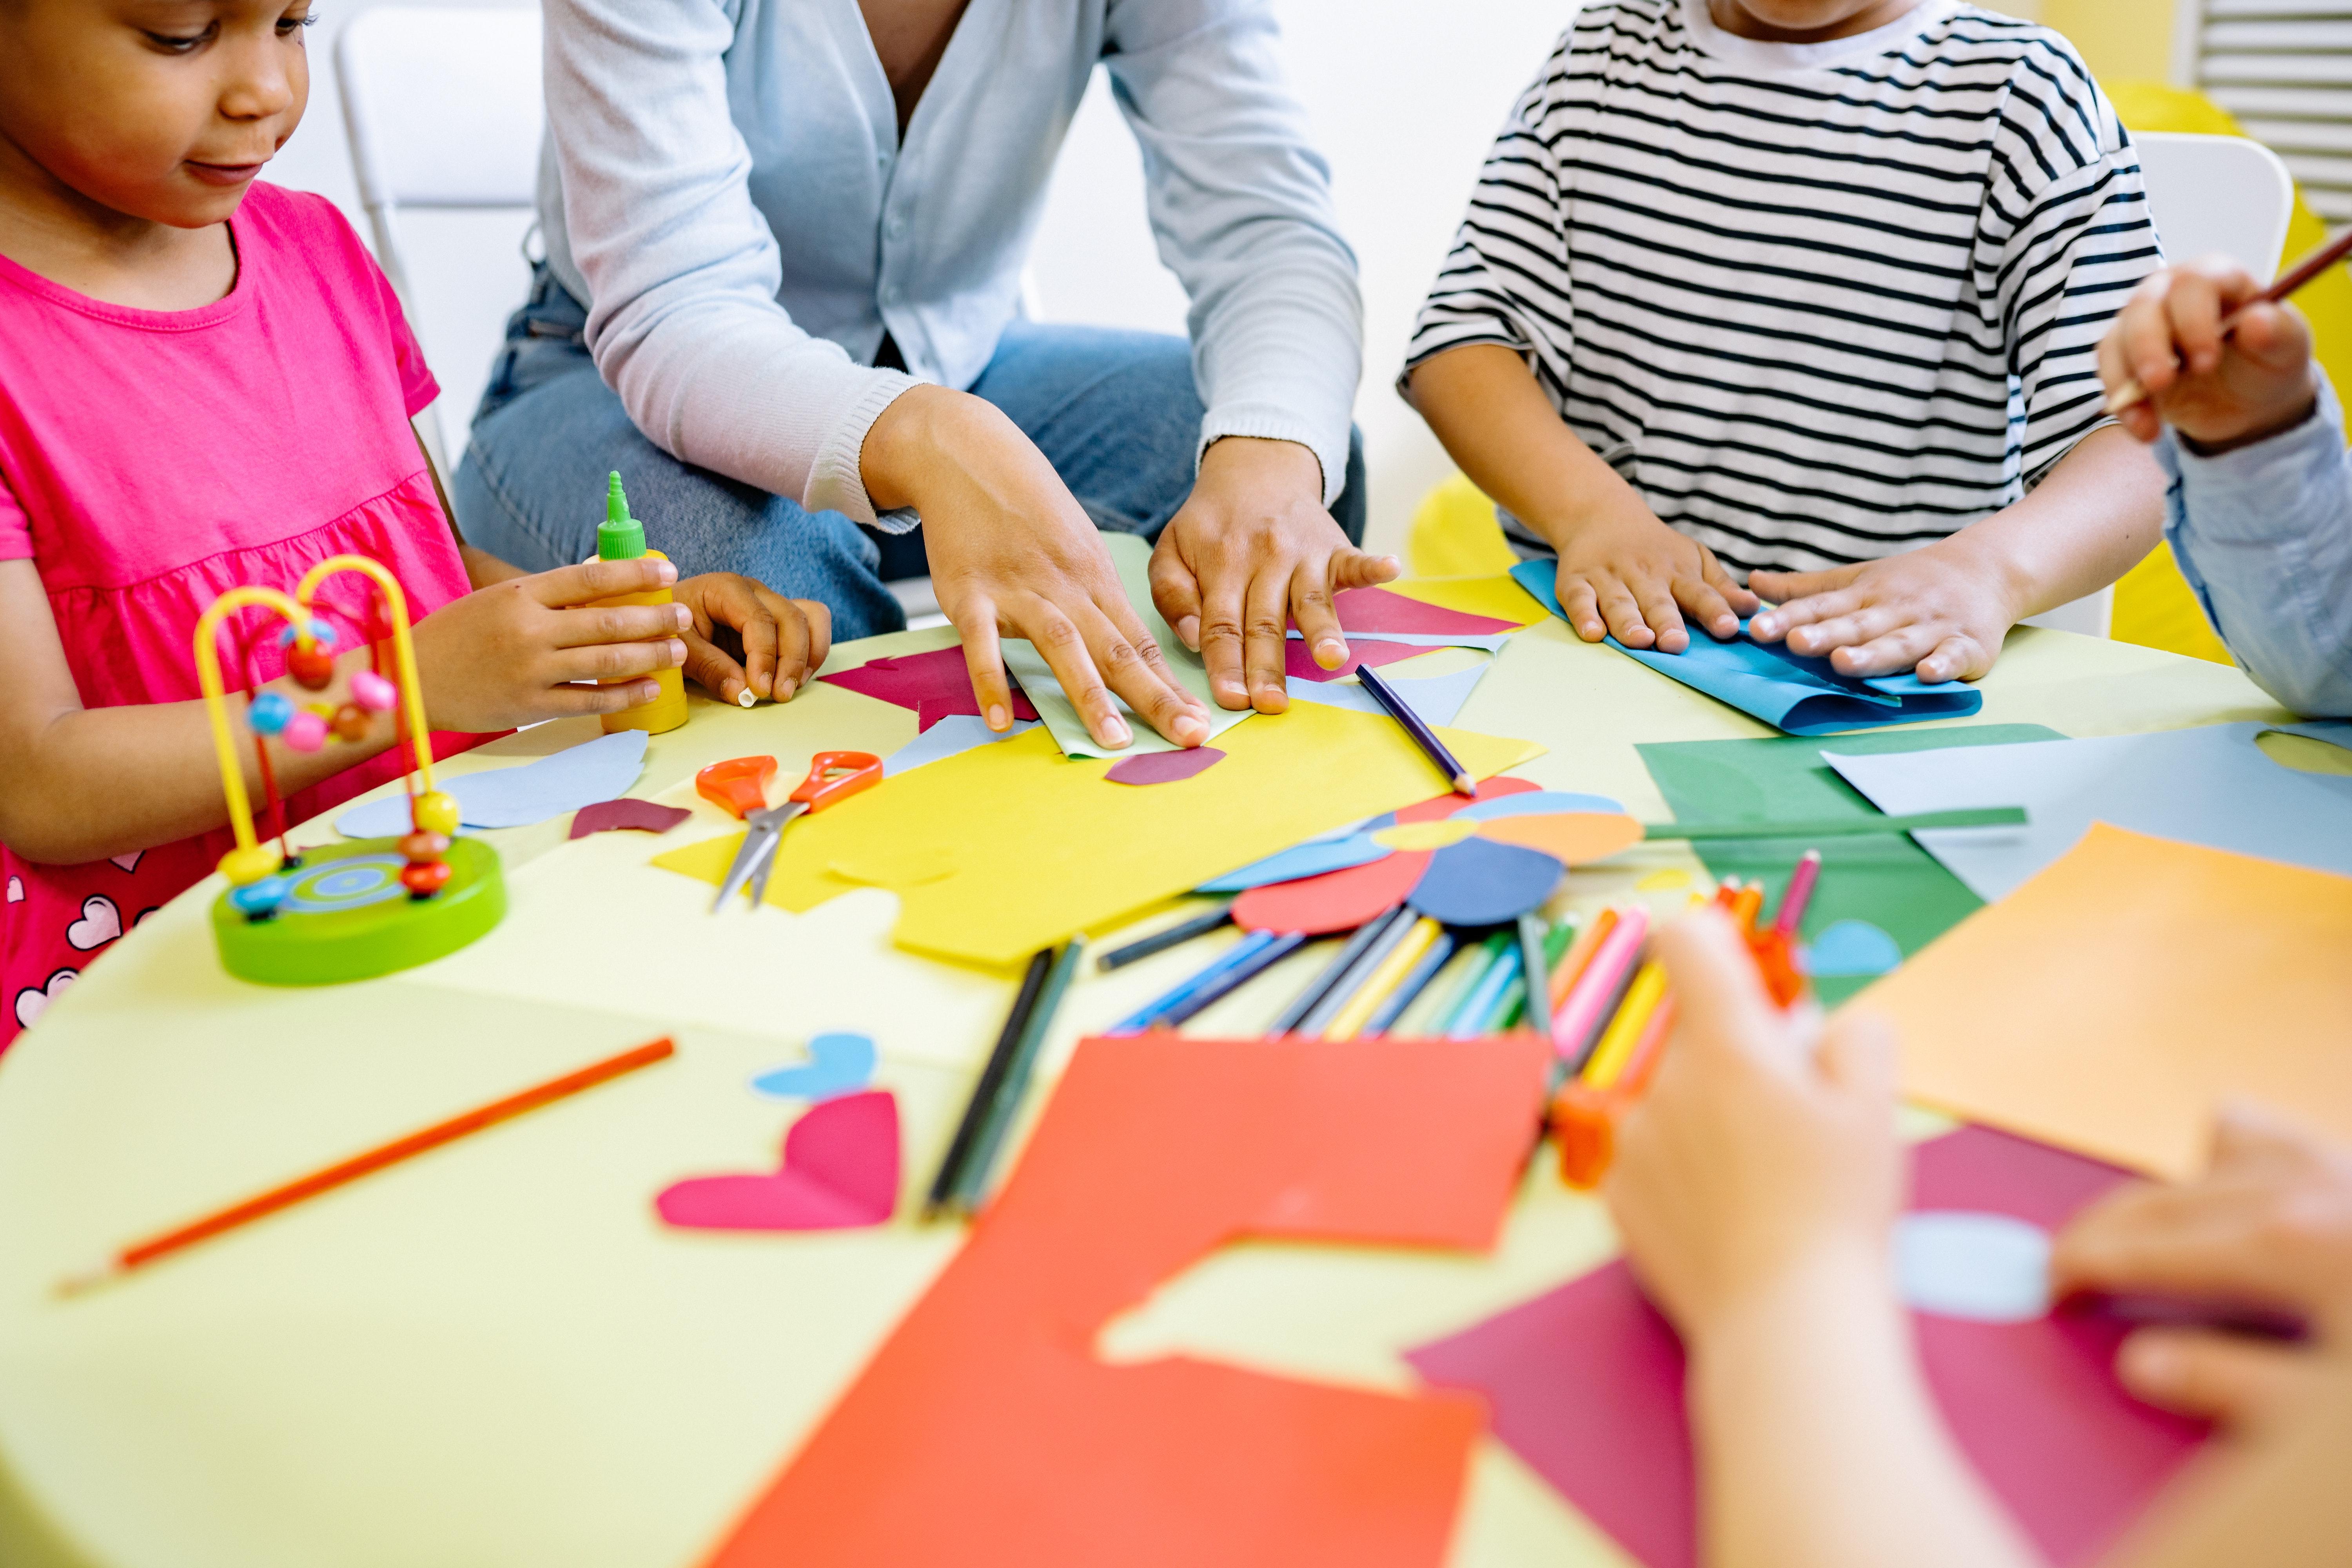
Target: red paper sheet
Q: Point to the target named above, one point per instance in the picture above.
(985, 1434)
(934, 685)
(1586, 1383)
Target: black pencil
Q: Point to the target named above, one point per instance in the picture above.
(984, 1093)
(1423, 735)
(972, 1182)
(1341, 961)
(1162, 941)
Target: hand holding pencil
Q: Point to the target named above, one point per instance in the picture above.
(2208, 350)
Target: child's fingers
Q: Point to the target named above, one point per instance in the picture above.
(578, 701)
(613, 661)
(984, 662)
(1317, 617)
(1662, 616)
(1623, 614)
(1354, 568)
(1581, 605)
(1740, 600)
(569, 585)
(1720, 1004)
(2210, 1376)
(2193, 305)
(1890, 653)
(817, 617)
(709, 667)
(1862, 624)
(2146, 328)
(1704, 602)
(1954, 658)
(1801, 609)
(620, 623)
(1783, 589)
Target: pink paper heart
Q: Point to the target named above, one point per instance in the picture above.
(840, 1171)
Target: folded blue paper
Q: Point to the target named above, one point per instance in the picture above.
(1801, 696)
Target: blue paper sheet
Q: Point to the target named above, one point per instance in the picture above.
(1799, 695)
(951, 736)
(517, 796)
(1436, 697)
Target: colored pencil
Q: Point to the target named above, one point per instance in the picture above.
(950, 1175)
(1534, 962)
(1624, 1031)
(1423, 735)
(1351, 1019)
(1578, 1021)
(1410, 988)
(971, 1182)
(1747, 904)
(1800, 892)
(1482, 957)
(2131, 391)
(1565, 972)
(139, 1254)
(1150, 1014)
(1162, 941)
(1841, 826)
(1511, 1010)
(1584, 1119)
(1376, 952)
(1331, 972)
(1233, 978)
(1475, 1016)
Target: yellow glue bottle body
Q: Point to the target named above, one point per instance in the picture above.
(621, 537)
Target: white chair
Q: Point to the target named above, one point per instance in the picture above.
(444, 108)
(2209, 196)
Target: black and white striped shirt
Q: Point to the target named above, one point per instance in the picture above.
(1818, 303)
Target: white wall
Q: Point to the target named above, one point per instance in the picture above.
(1404, 96)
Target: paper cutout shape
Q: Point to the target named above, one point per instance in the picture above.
(517, 796)
(840, 1172)
(1478, 882)
(1438, 834)
(1537, 802)
(1299, 663)
(1851, 948)
(1438, 699)
(627, 814)
(1369, 610)
(1302, 860)
(899, 866)
(2110, 1003)
(1164, 767)
(839, 1063)
(1334, 901)
(1787, 691)
(1986, 1267)
(1041, 849)
(1498, 596)
(945, 738)
(2211, 785)
(933, 686)
(1585, 1384)
(1671, 879)
(1884, 879)
(1573, 838)
(1446, 805)
(1132, 557)
(985, 1434)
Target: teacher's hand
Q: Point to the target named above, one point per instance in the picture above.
(1251, 550)
(1013, 554)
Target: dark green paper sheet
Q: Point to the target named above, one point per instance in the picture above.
(1885, 880)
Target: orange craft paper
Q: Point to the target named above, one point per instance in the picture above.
(2108, 1004)
(985, 1434)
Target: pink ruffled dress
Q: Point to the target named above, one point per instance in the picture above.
(149, 461)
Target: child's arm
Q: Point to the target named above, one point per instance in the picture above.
(79, 784)
(1945, 607)
(1755, 1187)
(1623, 573)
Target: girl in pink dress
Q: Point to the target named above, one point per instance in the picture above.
(205, 381)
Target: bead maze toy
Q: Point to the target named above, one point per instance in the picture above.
(341, 911)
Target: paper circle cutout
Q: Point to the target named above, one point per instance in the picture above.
(1165, 767)
(1478, 882)
(1436, 835)
(1851, 948)
(1986, 1267)
(1573, 838)
(1539, 803)
(1334, 901)
(1447, 804)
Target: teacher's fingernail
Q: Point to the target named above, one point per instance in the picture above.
(1330, 653)
(998, 718)
(666, 571)
(1116, 733)
(784, 690)
(1188, 627)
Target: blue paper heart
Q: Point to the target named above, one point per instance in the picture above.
(1853, 947)
(837, 1065)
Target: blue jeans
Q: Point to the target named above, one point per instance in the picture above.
(1115, 412)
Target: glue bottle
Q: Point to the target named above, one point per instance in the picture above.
(621, 537)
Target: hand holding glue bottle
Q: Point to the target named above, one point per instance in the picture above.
(621, 537)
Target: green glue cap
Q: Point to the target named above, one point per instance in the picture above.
(619, 537)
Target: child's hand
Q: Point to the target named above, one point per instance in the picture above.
(2219, 392)
(1758, 1156)
(509, 654)
(1625, 574)
(747, 638)
(1940, 608)
(2268, 1225)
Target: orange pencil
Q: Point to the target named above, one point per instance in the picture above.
(140, 1253)
(1565, 973)
(1584, 1119)
(1746, 904)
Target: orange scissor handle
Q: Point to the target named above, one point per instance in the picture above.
(835, 776)
(739, 785)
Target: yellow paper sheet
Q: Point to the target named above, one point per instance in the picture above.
(1040, 846)
(1497, 597)
(2110, 1003)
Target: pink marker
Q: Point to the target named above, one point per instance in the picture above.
(1580, 1016)
(1800, 893)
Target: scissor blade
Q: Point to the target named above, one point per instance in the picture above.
(785, 814)
(757, 851)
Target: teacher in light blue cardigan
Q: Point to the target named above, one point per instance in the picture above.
(781, 297)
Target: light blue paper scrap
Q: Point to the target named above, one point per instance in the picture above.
(2210, 785)
(1436, 697)
(1537, 803)
(601, 769)
(956, 734)
(1959, 1263)
(1309, 860)
(1848, 948)
(839, 1063)
(1799, 695)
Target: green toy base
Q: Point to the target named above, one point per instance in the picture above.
(347, 918)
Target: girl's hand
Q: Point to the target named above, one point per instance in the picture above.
(2269, 1225)
(1942, 608)
(509, 654)
(1758, 1157)
(745, 637)
(1252, 549)
(1013, 554)
(2218, 392)
(1625, 574)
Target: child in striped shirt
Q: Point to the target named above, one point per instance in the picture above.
(1807, 292)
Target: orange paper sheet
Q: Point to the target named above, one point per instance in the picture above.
(986, 1435)
(2110, 1003)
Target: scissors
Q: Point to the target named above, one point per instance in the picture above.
(741, 787)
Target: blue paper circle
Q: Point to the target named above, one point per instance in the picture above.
(1853, 947)
(1989, 1268)
(1478, 882)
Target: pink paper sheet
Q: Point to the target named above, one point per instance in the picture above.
(1378, 610)
(1298, 661)
(1586, 1383)
(934, 685)
(840, 1171)
(1165, 767)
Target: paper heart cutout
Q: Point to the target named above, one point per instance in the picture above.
(840, 1171)
(15, 889)
(128, 862)
(100, 923)
(32, 1001)
(1334, 901)
(838, 1064)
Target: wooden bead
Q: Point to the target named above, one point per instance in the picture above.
(268, 713)
(246, 867)
(258, 900)
(422, 847)
(374, 692)
(305, 731)
(425, 877)
(436, 813)
(352, 723)
(311, 664)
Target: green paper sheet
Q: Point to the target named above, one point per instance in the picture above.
(1885, 880)
(1132, 556)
